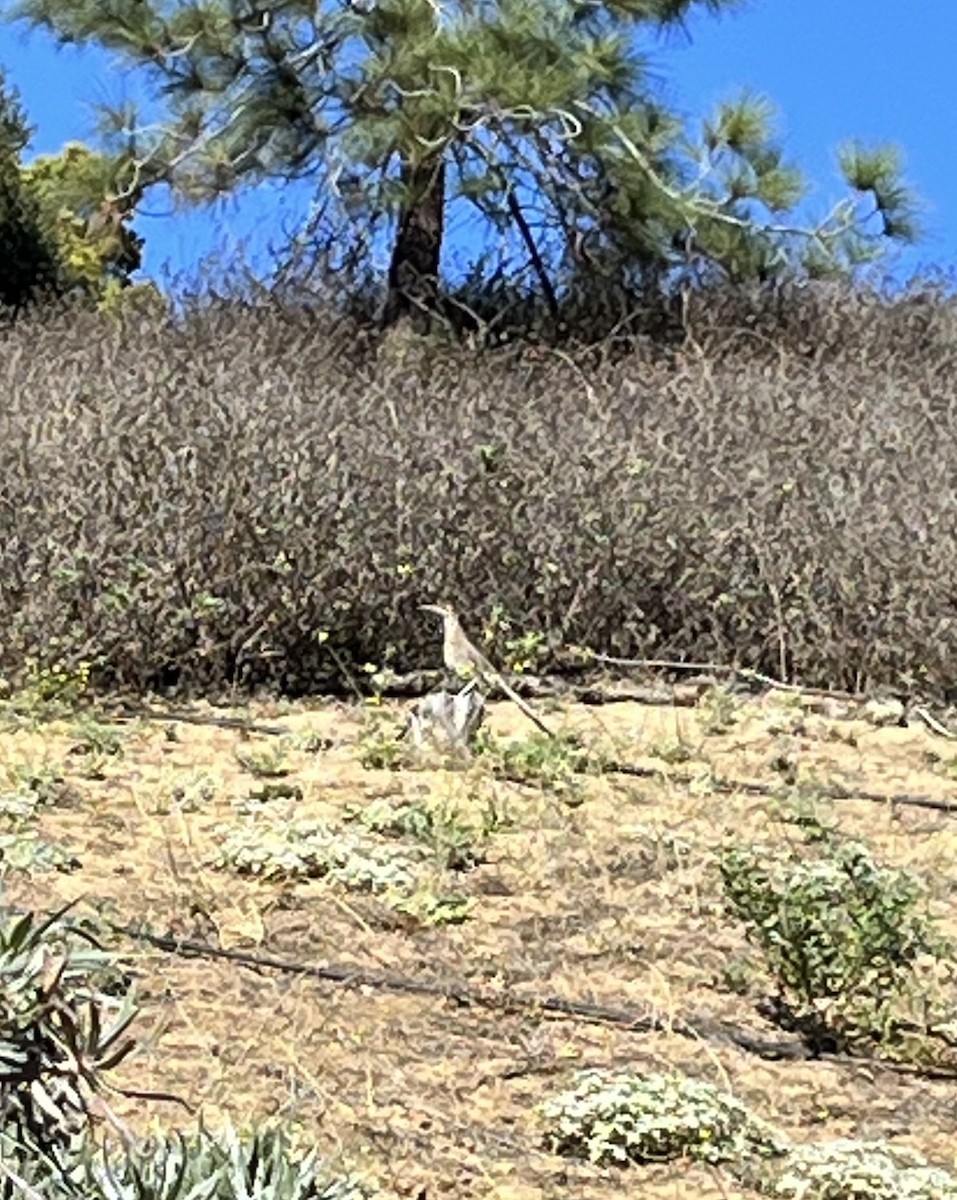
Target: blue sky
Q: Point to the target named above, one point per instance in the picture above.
(836, 69)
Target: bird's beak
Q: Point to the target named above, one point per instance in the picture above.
(435, 608)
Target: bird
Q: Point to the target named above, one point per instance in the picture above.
(464, 660)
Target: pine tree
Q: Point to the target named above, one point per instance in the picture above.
(27, 260)
(540, 113)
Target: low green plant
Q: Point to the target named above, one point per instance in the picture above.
(840, 934)
(718, 710)
(257, 1164)
(93, 737)
(457, 841)
(308, 849)
(620, 1118)
(191, 794)
(18, 805)
(31, 787)
(855, 1170)
(672, 751)
(271, 763)
(26, 851)
(60, 1033)
(380, 747)
(65, 1013)
(435, 909)
(268, 793)
(43, 780)
(312, 742)
(738, 974)
(555, 764)
(47, 691)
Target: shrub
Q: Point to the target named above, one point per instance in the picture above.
(621, 1118)
(187, 502)
(228, 1165)
(65, 1013)
(840, 934)
(61, 1031)
(853, 1170)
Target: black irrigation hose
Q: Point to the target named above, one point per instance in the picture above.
(700, 1029)
(758, 787)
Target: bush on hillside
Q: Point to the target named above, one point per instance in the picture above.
(188, 504)
(840, 933)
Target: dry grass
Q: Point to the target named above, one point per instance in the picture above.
(609, 896)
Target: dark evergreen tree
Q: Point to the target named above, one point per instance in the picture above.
(27, 258)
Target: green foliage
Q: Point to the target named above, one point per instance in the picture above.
(555, 764)
(625, 1118)
(24, 850)
(717, 710)
(523, 652)
(82, 217)
(96, 739)
(840, 934)
(277, 849)
(855, 1170)
(64, 229)
(60, 1033)
(407, 877)
(616, 1119)
(228, 1164)
(271, 763)
(877, 172)
(29, 265)
(40, 784)
(435, 909)
(672, 750)
(457, 841)
(47, 691)
(394, 110)
(381, 747)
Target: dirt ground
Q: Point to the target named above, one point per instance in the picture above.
(607, 893)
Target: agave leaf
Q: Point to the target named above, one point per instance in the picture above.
(52, 919)
(17, 935)
(109, 1061)
(54, 968)
(44, 1101)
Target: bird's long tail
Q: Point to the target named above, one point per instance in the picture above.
(496, 678)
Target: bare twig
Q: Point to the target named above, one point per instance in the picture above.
(758, 787)
(664, 664)
(538, 265)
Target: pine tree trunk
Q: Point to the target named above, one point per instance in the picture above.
(413, 284)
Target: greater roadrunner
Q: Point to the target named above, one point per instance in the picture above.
(462, 658)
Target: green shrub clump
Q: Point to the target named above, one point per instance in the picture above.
(840, 934)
